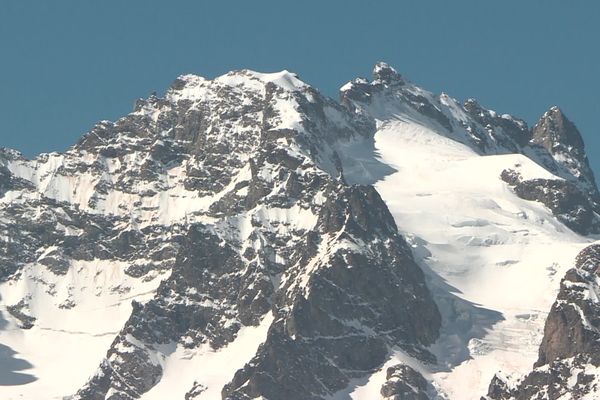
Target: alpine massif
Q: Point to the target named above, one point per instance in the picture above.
(247, 237)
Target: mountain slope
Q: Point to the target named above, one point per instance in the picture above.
(567, 365)
(225, 202)
(494, 259)
(247, 237)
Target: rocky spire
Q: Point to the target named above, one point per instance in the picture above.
(561, 138)
(386, 74)
(556, 133)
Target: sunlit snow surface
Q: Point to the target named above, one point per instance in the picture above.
(79, 315)
(204, 366)
(66, 344)
(493, 260)
(502, 255)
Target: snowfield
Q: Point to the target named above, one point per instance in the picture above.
(65, 337)
(492, 260)
(500, 256)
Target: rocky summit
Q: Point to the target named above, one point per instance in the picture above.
(246, 237)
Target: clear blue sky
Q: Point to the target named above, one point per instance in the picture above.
(67, 64)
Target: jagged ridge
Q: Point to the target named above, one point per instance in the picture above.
(234, 199)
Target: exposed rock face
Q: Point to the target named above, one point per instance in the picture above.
(557, 145)
(566, 201)
(385, 74)
(360, 94)
(238, 203)
(404, 383)
(572, 325)
(556, 133)
(189, 308)
(233, 193)
(343, 278)
(324, 320)
(19, 311)
(569, 354)
(514, 132)
(553, 142)
(559, 136)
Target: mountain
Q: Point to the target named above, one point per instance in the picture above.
(568, 357)
(247, 237)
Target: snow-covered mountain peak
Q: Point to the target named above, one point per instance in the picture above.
(561, 138)
(284, 79)
(193, 87)
(10, 154)
(242, 234)
(386, 74)
(485, 131)
(554, 109)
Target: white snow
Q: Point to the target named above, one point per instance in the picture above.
(284, 79)
(370, 388)
(498, 256)
(496, 251)
(169, 203)
(63, 338)
(212, 369)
